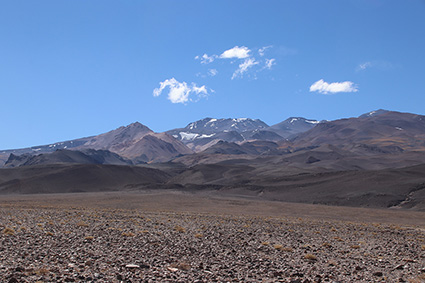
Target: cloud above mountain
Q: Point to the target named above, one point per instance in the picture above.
(205, 59)
(244, 56)
(331, 88)
(248, 65)
(236, 52)
(243, 67)
(181, 92)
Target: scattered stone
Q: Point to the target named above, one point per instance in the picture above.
(227, 252)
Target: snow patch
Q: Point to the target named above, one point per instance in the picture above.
(400, 129)
(36, 149)
(312, 121)
(239, 120)
(206, 136)
(188, 136)
(293, 120)
(212, 121)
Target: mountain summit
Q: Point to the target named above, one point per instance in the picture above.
(203, 133)
(211, 125)
(293, 126)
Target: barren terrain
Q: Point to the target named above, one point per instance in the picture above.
(172, 236)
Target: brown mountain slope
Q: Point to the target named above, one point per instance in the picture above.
(137, 140)
(123, 141)
(391, 128)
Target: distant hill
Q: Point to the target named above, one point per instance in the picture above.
(71, 178)
(63, 156)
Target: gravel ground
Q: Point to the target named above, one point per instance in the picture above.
(47, 243)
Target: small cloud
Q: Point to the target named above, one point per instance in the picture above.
(270, 63)
(380, 65)
(323, 87)
(243, 67)
(262, 50)
(205, 59)
(180, 92)
(212, 72)
(364, 66)
(236, 52)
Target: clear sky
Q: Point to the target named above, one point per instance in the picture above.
(70, 69)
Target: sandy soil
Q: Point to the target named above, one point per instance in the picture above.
(180, 237)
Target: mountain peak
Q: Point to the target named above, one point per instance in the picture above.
(137, 125)
(210, 125)
(292, 120)
(374, 113)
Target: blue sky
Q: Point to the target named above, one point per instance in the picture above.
(70, 69)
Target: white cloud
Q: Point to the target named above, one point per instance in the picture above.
(243, 67)
(262, 50)
(212, 72)
(248, 58)
(205, 59)
(270, 63)
(236, 52)
(323, 87)
(179, 92)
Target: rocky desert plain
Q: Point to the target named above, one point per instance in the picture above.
(174, 236)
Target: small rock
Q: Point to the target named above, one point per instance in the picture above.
(298, 274)
(378, 273)
(132, 266)
(400, 267)
(13, 280)
(172, 269)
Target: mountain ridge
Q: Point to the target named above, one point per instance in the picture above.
(138, 142)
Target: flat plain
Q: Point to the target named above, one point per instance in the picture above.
(171, 236)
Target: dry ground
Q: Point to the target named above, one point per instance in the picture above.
(181, 237)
